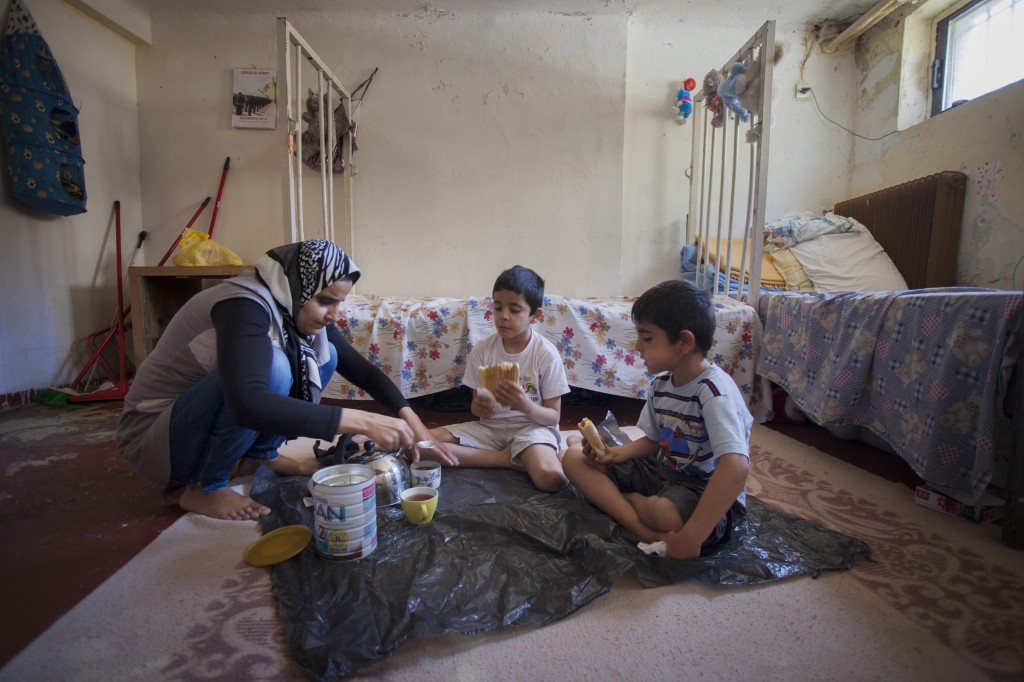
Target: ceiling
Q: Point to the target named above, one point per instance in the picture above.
(720, 11)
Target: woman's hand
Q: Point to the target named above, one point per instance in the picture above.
(422, 433)
(389, 433)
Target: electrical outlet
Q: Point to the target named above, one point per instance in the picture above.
(802, 91)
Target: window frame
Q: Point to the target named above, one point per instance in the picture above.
(937, 70)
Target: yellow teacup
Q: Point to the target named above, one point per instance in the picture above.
(419, 504)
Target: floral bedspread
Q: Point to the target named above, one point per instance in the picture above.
(926, 370)
(423, 343)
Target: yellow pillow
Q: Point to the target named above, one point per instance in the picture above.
(792, 272)
(770, 276)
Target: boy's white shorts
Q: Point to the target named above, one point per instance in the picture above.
(496, 434)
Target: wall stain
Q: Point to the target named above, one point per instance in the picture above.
(504, 92)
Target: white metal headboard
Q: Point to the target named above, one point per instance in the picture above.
(293, 53)
(718, 172)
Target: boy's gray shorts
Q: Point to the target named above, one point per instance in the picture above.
(644, 477)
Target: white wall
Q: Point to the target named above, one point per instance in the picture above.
(57, 274)
(485, 140)
(809, 159)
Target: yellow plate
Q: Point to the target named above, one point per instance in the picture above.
(278, 545)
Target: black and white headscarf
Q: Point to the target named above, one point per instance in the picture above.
(295, 273)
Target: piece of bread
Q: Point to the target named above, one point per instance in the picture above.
(492, 375)
(589, 432)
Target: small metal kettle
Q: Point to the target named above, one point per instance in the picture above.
(392, 472)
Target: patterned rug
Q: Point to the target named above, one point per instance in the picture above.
(941, 599)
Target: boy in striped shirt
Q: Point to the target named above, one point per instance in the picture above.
(683, 482)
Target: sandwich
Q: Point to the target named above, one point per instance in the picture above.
(589, 432)
(492, 375)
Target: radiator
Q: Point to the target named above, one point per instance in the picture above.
(918, 224)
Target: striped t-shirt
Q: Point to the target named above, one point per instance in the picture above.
(697, 423)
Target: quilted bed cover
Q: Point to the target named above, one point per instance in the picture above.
(423, 343)
(926, 370)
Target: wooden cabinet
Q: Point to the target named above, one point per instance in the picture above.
(159, 292)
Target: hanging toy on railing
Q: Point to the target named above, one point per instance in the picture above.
(684, 101)
(712, 101)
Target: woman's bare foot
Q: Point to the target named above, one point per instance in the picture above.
(223, 503)
(286, 466)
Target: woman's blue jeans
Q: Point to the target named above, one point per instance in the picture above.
(206, 443)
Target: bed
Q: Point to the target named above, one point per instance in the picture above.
(925, 369)
(423, 343)
(863, 325)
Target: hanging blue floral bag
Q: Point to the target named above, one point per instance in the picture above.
(40, 123)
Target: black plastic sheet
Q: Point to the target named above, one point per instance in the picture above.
(499, 554)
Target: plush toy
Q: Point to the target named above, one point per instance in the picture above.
(749, 90)
(712, 101)
(730, 89)
(684, 101)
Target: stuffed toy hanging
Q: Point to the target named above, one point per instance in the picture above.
(712, 101)
(729, 90)
(683, 106)
(313, 138)
(750, 88)
(40, 123)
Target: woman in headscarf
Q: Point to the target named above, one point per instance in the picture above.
(240, 369)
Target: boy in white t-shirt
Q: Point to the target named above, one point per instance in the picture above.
(523, 435)
(683, 482)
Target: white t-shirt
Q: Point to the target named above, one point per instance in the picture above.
(541, 372)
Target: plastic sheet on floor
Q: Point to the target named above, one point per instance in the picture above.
(499, 554)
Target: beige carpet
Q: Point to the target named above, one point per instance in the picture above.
(941, 600)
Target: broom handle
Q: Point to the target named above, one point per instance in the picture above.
(220, 191)
(90, 366)
(122, 370)
(177, 239)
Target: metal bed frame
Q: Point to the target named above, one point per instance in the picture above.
(710, 218)
(293, 53)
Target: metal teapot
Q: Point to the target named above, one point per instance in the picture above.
(392, 472)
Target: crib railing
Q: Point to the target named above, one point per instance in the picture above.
(728, 180)
(295, 57)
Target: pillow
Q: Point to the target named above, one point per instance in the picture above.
(794, 228)
(791, 270)
(769, 275)
(848, 261)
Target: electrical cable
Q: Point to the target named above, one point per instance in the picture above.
(872, 139)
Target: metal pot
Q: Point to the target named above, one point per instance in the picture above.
(392, 472)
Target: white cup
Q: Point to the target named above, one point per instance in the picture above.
(426, 473)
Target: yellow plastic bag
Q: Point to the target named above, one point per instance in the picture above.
(198, 249)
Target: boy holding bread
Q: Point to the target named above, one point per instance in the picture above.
(518, 381)
(683, 482)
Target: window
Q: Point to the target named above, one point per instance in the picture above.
(976, 51)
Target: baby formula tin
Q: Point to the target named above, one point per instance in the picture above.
(345, 511)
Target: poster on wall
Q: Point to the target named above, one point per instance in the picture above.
(254, 98)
